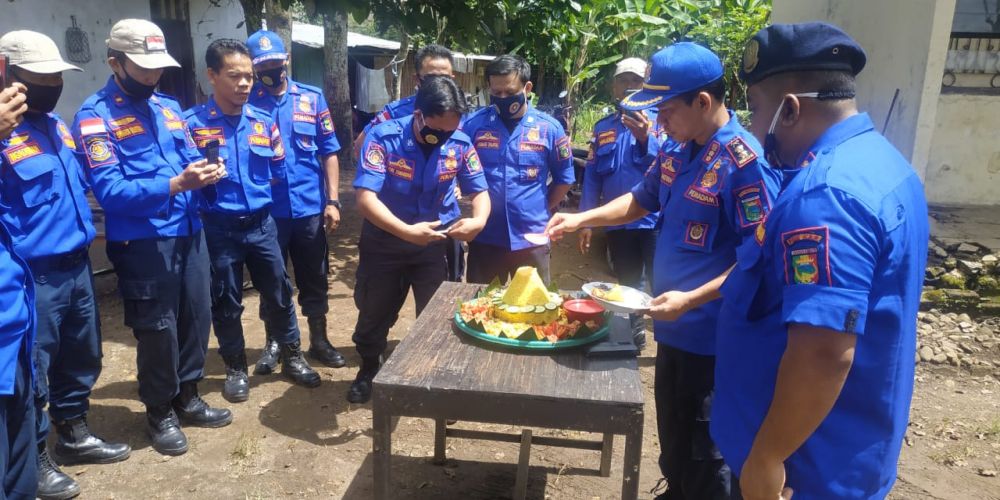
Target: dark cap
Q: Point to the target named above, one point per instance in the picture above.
(814, 46)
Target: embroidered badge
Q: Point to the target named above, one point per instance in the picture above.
(92, 126)
(713, 149)
(534, 134)
(326, 122)
(204, 134)
(667, 170)
(259, 140)
(698, 196)
(303, 117)
(711, 176)
(606, 137)
(305, 104)
(562, 146)
(807, 256)
(17, 139)
(487, 139)
(451, 161)
(695, 234)
(258, 128)
(265, 44)
(531, 173)
(400, 167)
(472, 160)
(99, 151)
(532, 147)
(375, 157)
(16, 154)
(752, 203)
(64, 134)
(126, 127)
(741, 152)
(760, 233)
(277, 144)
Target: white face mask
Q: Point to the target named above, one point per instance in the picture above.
(770, 141)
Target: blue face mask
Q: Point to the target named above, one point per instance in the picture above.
(509, 106)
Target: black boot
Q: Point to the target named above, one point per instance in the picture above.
(294, 366)
(319, 345)
(53, 484)
(76, 445)
(361, 389)
(195, 412)
(165, 430)
(268, 362)
(237, 386)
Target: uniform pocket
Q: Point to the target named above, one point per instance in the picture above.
(37, 176)
(138, 158)
(143, 310)
(531, 166)
(305, 136)
(604, 159)
(260, 164)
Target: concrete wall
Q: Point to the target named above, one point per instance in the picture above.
(906, 42)
(964, 164)
(210, 23)
(95, 18)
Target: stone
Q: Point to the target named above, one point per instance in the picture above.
(967, 248)
(987, 472)
(990, 306)
(952, 279)
(990, 261)
(939, 252)
(962, 299)
(935, 272)
(939, 359)
(964, 318)
(926, 354)
(950, 263)
(973, 267)
(988, 285)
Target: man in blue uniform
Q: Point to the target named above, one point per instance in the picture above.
(713, 190)
(622, 148)
(145, 173)
(405, 187)
(520, 147)
(238, 224)
(18, 447)
(42, 185)
(308, 200)
(818, 328)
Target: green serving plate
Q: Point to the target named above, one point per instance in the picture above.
(535, 345)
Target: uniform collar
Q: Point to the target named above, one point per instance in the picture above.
(836, 135)
(212, 111)
(409, 140)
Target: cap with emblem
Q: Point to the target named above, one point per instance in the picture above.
(266, 46)
(34, 52)
(676, 69)
(813, 46)
(142, 42)
(632, 65)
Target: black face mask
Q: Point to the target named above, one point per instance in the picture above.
(134, 87)
(433, 136)
(509, 106)
(42, 98)
(272, 78)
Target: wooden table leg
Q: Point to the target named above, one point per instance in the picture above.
(381, 448)
(606, 452)
(633, 456)
(440, 437)
(521, 484)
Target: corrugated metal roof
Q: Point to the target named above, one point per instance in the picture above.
(311, 35)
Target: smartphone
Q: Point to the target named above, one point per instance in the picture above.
(212, 151)
(635, 115)
(4, 70)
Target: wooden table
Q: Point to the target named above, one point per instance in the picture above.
(439, 373)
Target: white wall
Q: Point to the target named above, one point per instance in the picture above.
(906, 42)
(95, 18)
(210, 23)
(964, 165)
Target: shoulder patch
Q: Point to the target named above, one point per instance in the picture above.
(92, 126)
(752, 203)
(562, 146)
(741, 152)
(710, 152)
(375, 157)
(807, 256)
(472, 160)
(99, 151)
(326, 122)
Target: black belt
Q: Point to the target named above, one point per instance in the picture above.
(237, 221)
(60, 262)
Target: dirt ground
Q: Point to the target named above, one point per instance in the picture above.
(292, 442)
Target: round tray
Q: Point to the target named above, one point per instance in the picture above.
(534, 345)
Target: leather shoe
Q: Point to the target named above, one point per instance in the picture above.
(361, 389)
(76, 445)
(194, 411)
(295, 367)
(237, 386)
(53, 483)
(268, 362)
(320, 348)
(165, 431)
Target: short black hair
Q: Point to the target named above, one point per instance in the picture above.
(716, 89)
(439, 94)
(831, 84)
(507, 64)
(217, 51)
(432, 51)
(117, 54)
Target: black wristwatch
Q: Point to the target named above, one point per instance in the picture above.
(334, 203)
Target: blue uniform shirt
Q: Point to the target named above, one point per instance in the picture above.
(517, 166)
(130, 149)
(17, 316)
(616, 164)
(251, 147)
(416, 190)
(711, 204)
(844, 249)
(393, 111)
(44, 187)
(305, 123)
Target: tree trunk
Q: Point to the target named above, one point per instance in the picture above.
(335, 81)
(540, 79)
(279, 20)
(404, 50)
(253, 12)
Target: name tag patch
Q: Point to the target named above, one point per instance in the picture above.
(17, 154)
(400, 167)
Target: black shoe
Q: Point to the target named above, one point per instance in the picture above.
(361, 389)
(53, 484)
(76, 445)
(268, 362)
(294, 366)
(195, 412)
(237, 386)
(320, 348)
(661, 489)
(165, 431)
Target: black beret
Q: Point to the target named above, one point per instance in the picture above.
(783, 48)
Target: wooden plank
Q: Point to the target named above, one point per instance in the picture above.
(505, 437)
(381, 447)
(440, 437)
(607, 448)
(632, 459)
(521, 484)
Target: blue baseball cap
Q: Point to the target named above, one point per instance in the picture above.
(674, 70)
(813, 46)
(266, 46)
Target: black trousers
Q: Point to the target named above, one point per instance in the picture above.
(303, 241)
(689, 460)
(488, 261)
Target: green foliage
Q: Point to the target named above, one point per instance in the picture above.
(587, 115)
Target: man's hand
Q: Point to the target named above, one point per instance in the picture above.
(669, 306)
(585, 235)
(466, 229)
(639, 128)
(197, 175)
(12, 108)
(561, 223)
(424, 233)
(331, 218)
(458, 192)
(763, 479)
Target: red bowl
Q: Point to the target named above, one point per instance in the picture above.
(583, 310)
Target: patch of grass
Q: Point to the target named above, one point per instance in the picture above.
(991, 430)
(247, 449)
(584, 119)
(953, 456)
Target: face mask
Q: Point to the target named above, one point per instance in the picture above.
(771, 141)
(134, 87)
(42, 98)
(508, 106)
(433, 136)
(272, 78)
